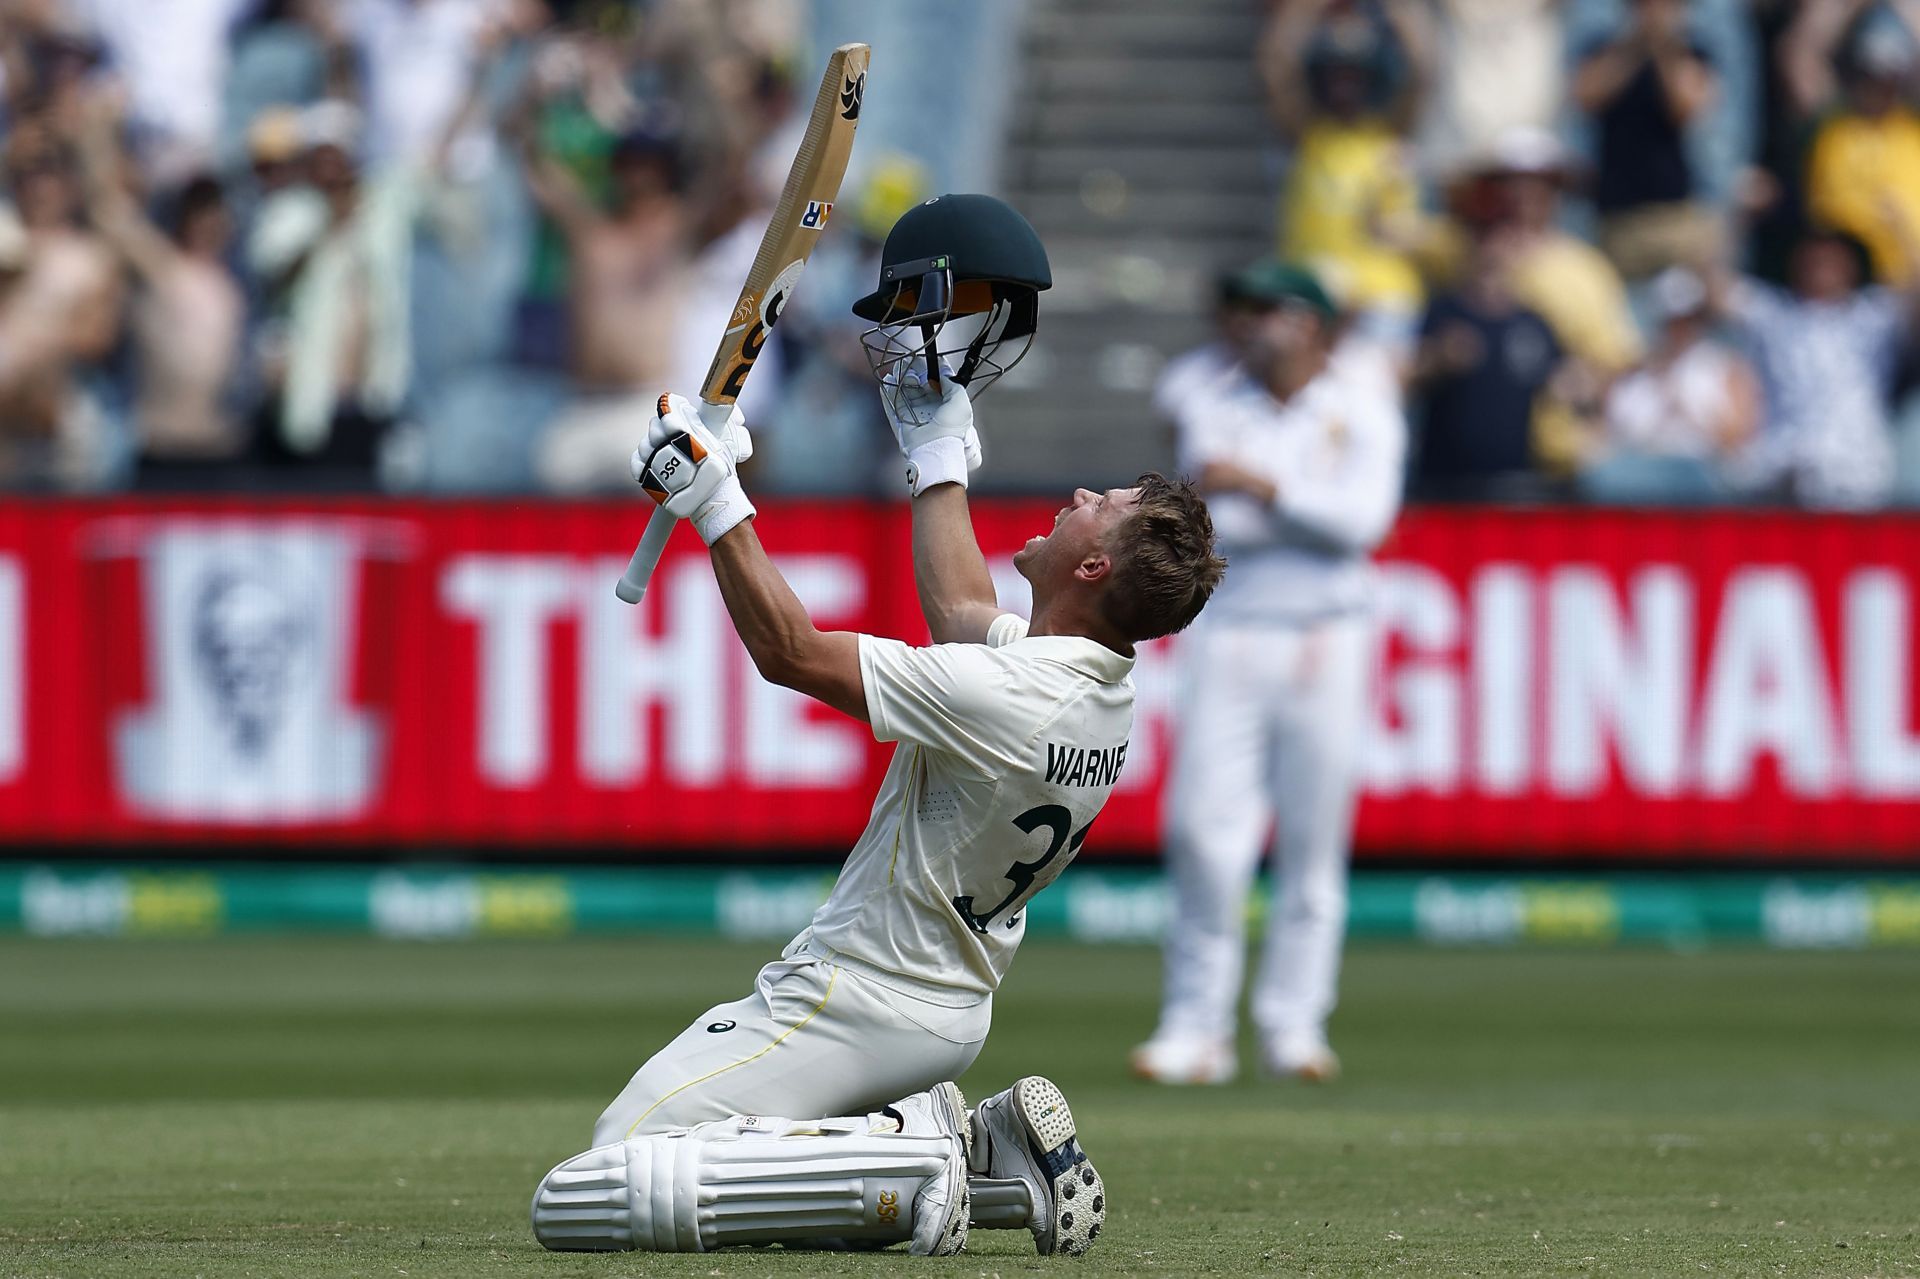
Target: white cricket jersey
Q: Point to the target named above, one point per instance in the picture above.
(1007, 751)
(1336, 451)
(1203, 371)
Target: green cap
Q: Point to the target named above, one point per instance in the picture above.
(1272, 281)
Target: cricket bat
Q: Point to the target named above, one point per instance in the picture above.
(805, 204)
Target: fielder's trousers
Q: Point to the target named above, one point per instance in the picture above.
(1265, 741)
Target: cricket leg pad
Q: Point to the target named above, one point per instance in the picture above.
(1000, 1203)
(755, 1180)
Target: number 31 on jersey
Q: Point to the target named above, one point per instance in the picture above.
(1022, 875)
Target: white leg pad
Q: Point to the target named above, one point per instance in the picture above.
(1000, 1203)
(742, 1181)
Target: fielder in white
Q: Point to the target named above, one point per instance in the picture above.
(1300, 451)
(1011, 735)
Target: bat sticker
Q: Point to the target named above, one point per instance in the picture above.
(773, 300)
(818, 211)
(850, 97)
(779, 291)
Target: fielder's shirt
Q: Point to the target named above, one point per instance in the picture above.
(1007, 751)
(1335, 451)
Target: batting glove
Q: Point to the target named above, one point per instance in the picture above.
(934, 427)
(690, 471)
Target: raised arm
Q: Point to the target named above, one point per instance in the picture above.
(956, 590)
(934, 426)
(1281, 59)
(787, 649)
(115, 212)
(691, 471)
(1806, 51)
(1605, 72)
(1412, 23)
(1687, 81)
(556, 191)
(515, 22)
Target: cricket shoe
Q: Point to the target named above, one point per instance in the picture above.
(1027, 1133)
(1303, 1057)
(1181, 1059)
(941, 1208)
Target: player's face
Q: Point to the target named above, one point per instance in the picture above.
(1080, 532)
(1239, 322)
(1283, 333)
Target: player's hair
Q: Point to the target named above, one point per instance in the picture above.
(1164, 565)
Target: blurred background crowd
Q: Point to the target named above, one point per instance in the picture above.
(406, 244)
(1655, 252)
(1624, 251)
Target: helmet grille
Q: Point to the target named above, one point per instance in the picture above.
(973, 353)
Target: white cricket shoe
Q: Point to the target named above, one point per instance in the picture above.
(940, 1209)
(1027, 1132)
(1305, 1057)
(1181, 1059)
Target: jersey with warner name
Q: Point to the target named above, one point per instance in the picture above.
(1007, 751)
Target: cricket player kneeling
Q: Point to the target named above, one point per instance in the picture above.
(1011, 734)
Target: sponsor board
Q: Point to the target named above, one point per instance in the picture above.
(1658, 686)
(1090, 905)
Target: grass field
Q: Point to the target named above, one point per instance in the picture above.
(306, 1107)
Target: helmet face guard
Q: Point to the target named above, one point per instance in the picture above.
(930, 320)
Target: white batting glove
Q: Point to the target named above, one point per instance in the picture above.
(689, 470)
(734, 434)
(934, 427)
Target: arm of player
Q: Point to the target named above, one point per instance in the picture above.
(1200, 439)
(934, 426)
(956, 590)
(689, 470)
(787, 649)
(1351, 500)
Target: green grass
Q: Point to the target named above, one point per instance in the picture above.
(335, 1107)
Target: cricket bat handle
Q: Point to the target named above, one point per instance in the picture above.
(646, 557)
(632, 586)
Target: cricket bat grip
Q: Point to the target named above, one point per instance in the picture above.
(632, 586)
(646, 557)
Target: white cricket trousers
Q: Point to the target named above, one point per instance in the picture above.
(1266, 739)
(814, 1038)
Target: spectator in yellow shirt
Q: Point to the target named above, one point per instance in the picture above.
(1571, 284)
(1513, 193)
(1344, 79)
(1863, 175)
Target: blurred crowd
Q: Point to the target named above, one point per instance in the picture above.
(1646, 251)
(1631, 250)
(412, 244)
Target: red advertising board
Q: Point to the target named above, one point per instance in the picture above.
(315, 673)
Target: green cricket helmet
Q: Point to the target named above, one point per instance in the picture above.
(967, 258)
